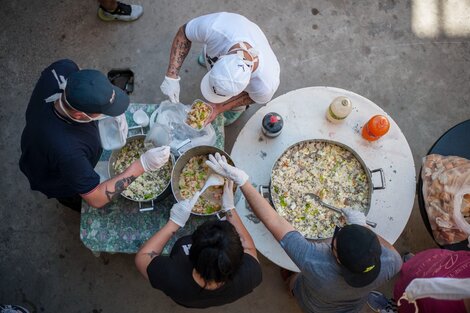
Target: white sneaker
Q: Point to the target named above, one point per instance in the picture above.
(124, 12)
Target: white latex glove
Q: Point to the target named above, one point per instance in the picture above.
(228, 202)
(171, 88)
(181, 211)
(219, 165)
(155, 158)
(354, 217)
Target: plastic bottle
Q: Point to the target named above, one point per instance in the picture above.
(339, 109)
(375, 128)
(272, 124)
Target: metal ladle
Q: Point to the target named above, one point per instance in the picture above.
(337, 210)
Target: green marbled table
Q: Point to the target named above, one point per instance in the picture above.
(120, 226)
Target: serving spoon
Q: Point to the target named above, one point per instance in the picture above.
(212, 180)
(333, 208)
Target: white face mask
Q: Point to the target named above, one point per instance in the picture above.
(90, 119)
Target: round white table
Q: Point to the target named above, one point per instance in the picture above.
(304, 111)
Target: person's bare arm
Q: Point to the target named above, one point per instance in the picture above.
(241, 99)
(109, 189)
(179, 50)
(276, 224)
(154, 247)
(245, 237)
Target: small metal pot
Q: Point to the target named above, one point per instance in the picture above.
(181, 162)
(112, 173)
(270, 190)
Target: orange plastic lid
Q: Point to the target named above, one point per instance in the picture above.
(378, 125)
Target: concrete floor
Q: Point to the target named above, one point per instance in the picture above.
(379, 49)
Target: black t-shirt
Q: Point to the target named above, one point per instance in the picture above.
(58, 155)
(173, 275)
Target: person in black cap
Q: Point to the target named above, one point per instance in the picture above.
(334, 277)
(60, 144)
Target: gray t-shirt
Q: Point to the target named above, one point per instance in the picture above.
(320, 286)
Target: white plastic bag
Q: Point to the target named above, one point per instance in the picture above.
(436, 288)
(172, 117)
(446, 192)
(113, 132)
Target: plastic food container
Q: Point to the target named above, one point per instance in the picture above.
(198, 114)
(112, 137)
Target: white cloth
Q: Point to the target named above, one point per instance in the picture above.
(436, 288)
(220, 31)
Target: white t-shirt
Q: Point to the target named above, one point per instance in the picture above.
(220, 31)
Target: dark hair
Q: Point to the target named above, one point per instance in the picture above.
(216, 252)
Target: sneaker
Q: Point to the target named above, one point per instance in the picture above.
(124, 12)
(7, 308)
(380, 303)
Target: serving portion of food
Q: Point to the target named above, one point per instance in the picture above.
(148, 185)
(192, 179)
(326, 169)
(198, 115)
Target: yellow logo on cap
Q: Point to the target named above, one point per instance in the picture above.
(368, 269)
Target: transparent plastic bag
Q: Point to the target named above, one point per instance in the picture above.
(172, 118)
(446, 191)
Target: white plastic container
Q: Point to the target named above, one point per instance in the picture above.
(113, 132)
(339, 109)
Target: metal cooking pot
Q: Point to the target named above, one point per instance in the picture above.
(112, 173)
(263, 188)
(181, 162)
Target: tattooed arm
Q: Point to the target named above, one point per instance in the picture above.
(108, 190)
(245, 237)
(236, 101)
(154, 246)
(179, 50)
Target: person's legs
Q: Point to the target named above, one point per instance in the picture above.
(73, 202)
(112, 10)
(233, 115)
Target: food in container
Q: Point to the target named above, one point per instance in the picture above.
(148, 185)
(199, 114)
(328, 170)
(192, 179)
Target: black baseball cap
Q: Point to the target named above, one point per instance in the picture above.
(358, 250)
(90, 91)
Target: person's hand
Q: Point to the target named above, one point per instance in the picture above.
(155, 158)
(171, 88)
(215, 111)
(354, 217)
(219, 165)
(228, 202)
(181, 211)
